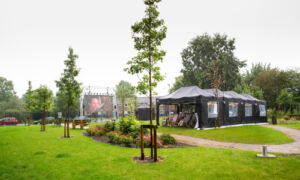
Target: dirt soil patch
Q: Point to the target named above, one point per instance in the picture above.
(147, 160)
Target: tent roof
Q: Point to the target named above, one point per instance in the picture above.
(183, 92)
(143, 106)
(235, 95)
(249, 97)
(186, 95)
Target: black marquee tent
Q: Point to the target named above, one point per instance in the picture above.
(143, 112)
(232, 108)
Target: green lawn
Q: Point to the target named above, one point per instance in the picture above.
(251, 134)
(27, 153)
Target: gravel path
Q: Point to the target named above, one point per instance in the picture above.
(291, 148)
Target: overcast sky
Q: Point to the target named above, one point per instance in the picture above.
(35, 36)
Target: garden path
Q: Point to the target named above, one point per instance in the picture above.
(290, 148)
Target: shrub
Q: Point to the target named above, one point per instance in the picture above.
(167, 139)
(91, 131)
(135, 131)
(101, 132)
(110, 125)
(119, 139)
(126, 124)
(146, 143)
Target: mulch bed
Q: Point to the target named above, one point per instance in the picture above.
(66, 137)
(105, 139)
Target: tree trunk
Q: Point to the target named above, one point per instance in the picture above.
(68, 132)
(123, 108)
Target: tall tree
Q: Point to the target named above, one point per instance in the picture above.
(29, 100)
(179, 82)
(272, 82)
(6, 89)
(201, 51)
(257, 68)
(69, 87)
(148, 35)
(44, 102)
(124, 90)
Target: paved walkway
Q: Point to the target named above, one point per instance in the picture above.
(291, 148)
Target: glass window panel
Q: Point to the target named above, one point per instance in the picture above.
(248, 109)
(262, 110)
(233, 109)
(212, 108)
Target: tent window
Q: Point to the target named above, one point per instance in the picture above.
(233, 109)
(262, 110)
(248, 110)
(212, 109)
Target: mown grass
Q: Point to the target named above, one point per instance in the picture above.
(251, 134)
(27, 153)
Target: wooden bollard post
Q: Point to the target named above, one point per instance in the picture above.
(81, 124)
(155, 144)
(142, 143)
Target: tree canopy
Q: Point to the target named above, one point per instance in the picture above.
(204, 49)
(124, 90)
(148, 35)
(69, 87)
(6, 89)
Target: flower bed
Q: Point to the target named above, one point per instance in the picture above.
(126, 133)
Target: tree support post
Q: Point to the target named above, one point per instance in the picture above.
(153, 143)
(142, 143)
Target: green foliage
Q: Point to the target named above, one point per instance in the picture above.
(257, 68)
(6, 89)
(110, 125)
(251, 90)
(119, 139)
(127, 125)
(43, 99)
(69, 87)
(167, 139)
(138, 143)
(60, 104)
(199, 54)
(29, 98)
(148, 35)
(285, 99)
(272, 82)
(123, 91)
(179, 82)
(91, 131)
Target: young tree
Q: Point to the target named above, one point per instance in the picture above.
(215, 75)
(148, 35)
(44, 102)
(69, 87)
(124, 90)
(131, 103)
(29, 101)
